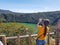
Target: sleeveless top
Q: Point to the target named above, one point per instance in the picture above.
(40, 32)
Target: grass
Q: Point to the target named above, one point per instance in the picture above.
(14, 27)
(33, 26)
(29, 25)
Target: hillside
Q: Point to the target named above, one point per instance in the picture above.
(9, 16)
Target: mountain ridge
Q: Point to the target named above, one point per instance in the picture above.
(9, 16)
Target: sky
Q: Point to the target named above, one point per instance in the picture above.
(30, 6)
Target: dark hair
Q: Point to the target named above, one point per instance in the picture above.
(0, 38)
(46, 23)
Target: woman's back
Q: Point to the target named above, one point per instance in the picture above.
(41, 32)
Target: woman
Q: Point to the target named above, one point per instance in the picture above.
(57, 32)
(58, 25)
(42, 31)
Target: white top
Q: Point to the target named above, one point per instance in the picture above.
(1, 43)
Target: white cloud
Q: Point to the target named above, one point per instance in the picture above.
(34, 10)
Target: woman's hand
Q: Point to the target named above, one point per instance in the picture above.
(39, 22)
(40, 19)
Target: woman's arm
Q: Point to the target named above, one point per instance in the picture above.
(39, 22)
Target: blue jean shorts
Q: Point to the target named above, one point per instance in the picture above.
(40, 42)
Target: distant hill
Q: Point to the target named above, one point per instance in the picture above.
(5, 11)
(9, 16)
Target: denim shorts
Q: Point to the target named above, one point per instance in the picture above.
(40, 42)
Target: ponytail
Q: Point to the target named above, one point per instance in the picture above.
(46, 23)
(45, 30)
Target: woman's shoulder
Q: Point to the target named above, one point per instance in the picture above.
(40, 26)
(48, 27)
